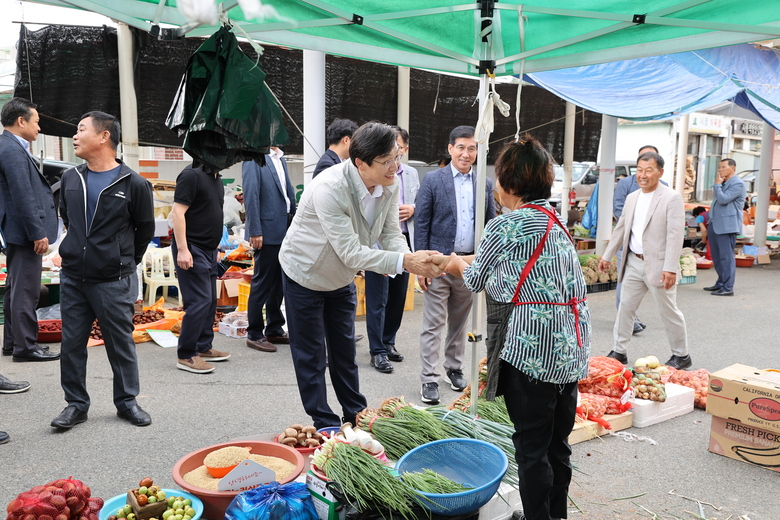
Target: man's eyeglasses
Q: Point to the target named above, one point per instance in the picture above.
(395, 160)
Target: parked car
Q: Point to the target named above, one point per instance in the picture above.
(53, 171)
(584, 176)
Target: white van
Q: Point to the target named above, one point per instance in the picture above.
(583, 180)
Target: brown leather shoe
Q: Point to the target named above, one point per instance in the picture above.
(262, 345)
(284, 339)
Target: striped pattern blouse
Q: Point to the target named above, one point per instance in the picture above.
(541, 338)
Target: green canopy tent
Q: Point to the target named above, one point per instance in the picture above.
(508, 37)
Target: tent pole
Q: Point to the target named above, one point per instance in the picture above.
(762, 181)
(404, 81)
(477, 308)
(682, 155)
(313, 110)
(127, 100)
(568, 159)
(606, 182)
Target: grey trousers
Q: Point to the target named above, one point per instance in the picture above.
(22, 290)
(634, 290)
(446, 302)
(112, 303)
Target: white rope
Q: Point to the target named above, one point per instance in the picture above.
(521, 21)
(486, 121)
(632, 437)
(744, 81)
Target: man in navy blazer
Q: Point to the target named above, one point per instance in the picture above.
(444, 221)
(724, 225)
(29, 223)
(269, 202)
(338, 135)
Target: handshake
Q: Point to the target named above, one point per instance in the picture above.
(432, 264)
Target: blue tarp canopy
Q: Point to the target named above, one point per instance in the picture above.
(666, 87)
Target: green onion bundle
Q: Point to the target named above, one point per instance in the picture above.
(400, 409)
(429, 481)
(465, 426)
(368, 482)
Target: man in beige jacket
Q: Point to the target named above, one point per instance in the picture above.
(651, 233)
(347, 209)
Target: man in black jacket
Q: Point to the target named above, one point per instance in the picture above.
(108, 212)
(338, 134)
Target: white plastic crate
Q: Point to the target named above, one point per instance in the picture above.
(679, 401)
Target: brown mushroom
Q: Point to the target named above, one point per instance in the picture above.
(309, 429)
(290, 432)
(312, 443)
(298, 427)
(290, 441)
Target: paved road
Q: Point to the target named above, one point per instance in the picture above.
(255, 393)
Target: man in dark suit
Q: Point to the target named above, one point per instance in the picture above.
(724, 225)
(269, 202)
(29, 223)
(338, 135)
(445, 212)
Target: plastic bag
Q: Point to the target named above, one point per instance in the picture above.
(606, 376)
(273, 501)
(698, 380)
(49, 313)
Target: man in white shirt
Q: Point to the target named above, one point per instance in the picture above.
(651, 227)
(343, 212)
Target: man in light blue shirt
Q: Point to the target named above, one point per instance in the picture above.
(444, 222)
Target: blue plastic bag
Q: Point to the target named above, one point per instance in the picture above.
(273, 501)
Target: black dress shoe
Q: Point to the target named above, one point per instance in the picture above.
(37, 355)
(135, 416)
(393, 354)
(381, 364)
(721, 292)
(284, 339)
(12, 387)
(4, 438)
(712, 288)
(69, 417)
(679, 362)
(617, 355)
(10, 351)
(637, 329)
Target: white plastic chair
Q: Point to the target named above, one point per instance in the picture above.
(155, 274)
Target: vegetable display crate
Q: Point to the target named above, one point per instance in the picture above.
(687, 280)
(679, 401)
(587, 430)
(243, 296)
(598, 287)
(612, 286)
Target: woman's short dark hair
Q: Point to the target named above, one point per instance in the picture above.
(524, 168)
(372, 140)
(14, 109)
(339, 129)
(105, 122)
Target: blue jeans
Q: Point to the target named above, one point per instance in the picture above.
(112, 303)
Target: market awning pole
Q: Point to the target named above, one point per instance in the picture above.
(127, 100)
(764, 172)
(606, 182)
(404, 81)
(568, 158)
(313, 111)
(682, 155)
(475, 337)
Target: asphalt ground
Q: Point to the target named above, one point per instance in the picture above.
(254, 393)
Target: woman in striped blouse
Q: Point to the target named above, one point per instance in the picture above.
(538, 334)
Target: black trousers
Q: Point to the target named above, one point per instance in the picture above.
(22, 290)
(266, 291)
(385, 300)
(543, 415)
(198, 286)
(320, 320)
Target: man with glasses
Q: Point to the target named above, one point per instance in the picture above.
(347, 209)
(386, 295)
(445, 212)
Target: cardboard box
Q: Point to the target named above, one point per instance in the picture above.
(746, 394)
(740, 441)
(679, 401)
(326, 505)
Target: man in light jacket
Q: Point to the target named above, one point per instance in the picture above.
(343, 212)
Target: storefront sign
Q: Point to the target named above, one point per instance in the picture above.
(706, 123)
(746, 128)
